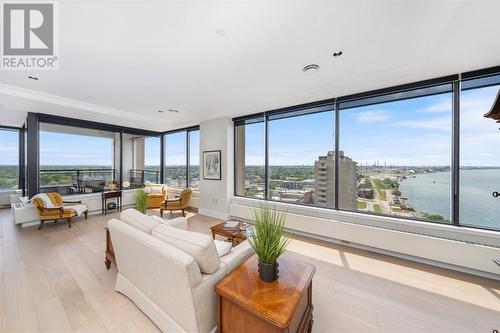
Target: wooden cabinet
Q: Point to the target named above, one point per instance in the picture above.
(248, 304)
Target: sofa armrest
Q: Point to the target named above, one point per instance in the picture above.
(205, 300)
(237, 256)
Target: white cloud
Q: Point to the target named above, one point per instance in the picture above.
(435, 124)
(372, 116)
(444, 105)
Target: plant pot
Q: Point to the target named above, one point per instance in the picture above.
(268, 272)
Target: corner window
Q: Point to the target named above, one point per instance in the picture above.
(175, 160)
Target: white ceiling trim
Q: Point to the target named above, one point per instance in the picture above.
(71, 103)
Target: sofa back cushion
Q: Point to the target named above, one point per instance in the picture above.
(139, 220)
(200, 246)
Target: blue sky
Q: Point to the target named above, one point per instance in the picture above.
(68, 149)
(9, 147)
(413, 132)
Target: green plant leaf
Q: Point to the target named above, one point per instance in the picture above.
(267, 238)
(141, 200)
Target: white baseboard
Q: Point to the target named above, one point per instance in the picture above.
(214, 214)
(400, 255)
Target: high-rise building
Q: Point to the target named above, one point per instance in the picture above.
(324, 180)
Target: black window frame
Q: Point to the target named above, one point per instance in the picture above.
(21, 161)
(400, 92)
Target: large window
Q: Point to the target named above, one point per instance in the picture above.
(175, 159)
(250, 157)
(422, 151)
(76, 160)
(396, 158)
(9, 159)
(152, 158)
(182, 158)
(479, 155)
(301, 150)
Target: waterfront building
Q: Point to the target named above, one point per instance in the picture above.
(324, 180)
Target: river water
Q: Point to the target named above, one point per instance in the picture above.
(431, 193)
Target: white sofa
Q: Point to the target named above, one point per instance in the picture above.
(170, 273)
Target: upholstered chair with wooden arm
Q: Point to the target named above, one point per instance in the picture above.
(57, 208)
(156, 195)
(180, 203)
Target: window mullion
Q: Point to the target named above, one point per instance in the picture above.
(455, 168)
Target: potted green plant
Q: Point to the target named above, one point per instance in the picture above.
(267, 240)
(141, 200)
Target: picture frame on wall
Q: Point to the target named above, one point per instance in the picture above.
(212, 165)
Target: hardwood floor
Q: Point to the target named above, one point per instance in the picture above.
(54, 280)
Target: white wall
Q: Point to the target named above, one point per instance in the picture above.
(215, 195)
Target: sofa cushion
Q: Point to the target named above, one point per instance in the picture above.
(200, 246)
(138, 220)
(178, 222)
(222, 247)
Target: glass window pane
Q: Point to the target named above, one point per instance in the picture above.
(401, 152)
(175, 160)
(9, 159)
(76, 160)
(479, 159)
(194, 159)
(250, 157)
(299, 150)
(152, 159)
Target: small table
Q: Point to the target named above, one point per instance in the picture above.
(110, 195)
(245, 303)
(235, 236)
(110, 252)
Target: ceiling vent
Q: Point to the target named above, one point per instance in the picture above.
(310, 69)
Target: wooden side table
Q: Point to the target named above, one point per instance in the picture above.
(235, 236)
(245, 303)
(110, 252)
(110, 195)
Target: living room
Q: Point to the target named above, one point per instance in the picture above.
(147, 149)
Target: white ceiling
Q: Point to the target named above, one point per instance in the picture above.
(121, 61)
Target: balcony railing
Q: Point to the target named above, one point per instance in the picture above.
(73, 181)
(139, 177)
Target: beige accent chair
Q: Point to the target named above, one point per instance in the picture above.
(170, 273)
(180, 203)
(60, 211)
(156, 195)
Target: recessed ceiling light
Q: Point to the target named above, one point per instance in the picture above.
(33, 78)
(337, 53)
(220, 32)
(160, 111)
(310, 69)
(173, 110)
